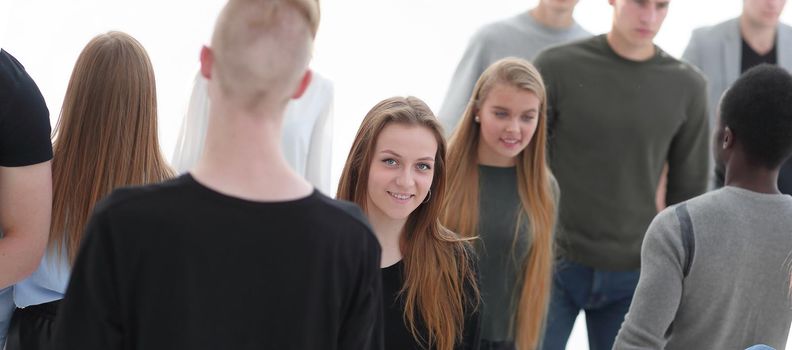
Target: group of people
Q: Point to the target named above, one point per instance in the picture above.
(576, 182)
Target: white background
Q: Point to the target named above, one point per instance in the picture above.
(371, 49)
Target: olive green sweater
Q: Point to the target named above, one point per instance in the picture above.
(613, 124)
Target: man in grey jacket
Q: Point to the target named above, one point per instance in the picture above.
(715, 269)
(727, 49)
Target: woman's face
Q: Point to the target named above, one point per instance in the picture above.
(401, 171)
(508, 118)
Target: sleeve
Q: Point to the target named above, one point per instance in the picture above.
(6, 311)
(464, 80)
(24, 126)
(688, 154)
(320, 151)
(363, 326)
(543, 65)
(659, 289)
(90, 314)
(190, 142)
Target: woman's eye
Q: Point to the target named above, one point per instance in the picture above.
(424, 167)
(527, 117)
(501, 114)
(390, 162)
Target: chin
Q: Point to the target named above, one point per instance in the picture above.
(399, 214)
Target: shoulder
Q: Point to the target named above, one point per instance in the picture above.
(342, 221)
(136, 199)
(345, 211)
(562, 55)
(685, 73)
(716, 29)
(785, 27)
(497, 29)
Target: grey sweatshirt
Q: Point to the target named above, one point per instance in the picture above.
(519, 36)
(736, 292)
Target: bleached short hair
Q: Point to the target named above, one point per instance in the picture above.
(262, 48)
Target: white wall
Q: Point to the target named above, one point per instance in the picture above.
(372, 49)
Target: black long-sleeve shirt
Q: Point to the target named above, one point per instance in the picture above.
(398, 335)
(180, 266)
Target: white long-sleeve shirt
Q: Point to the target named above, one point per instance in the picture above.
(307, 131)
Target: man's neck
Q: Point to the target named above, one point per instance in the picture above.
(551, 18)
(759, 37)
(242, 158)
(740, 172)
(628, 51)
(388, 232)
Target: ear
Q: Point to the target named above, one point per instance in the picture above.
(728, 138)
(207, 61)
(306, 80)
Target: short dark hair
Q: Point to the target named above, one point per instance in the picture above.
(758, 110)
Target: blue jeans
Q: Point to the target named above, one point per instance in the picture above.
(605, 296)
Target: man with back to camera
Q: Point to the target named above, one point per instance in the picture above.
(726, 50)
(619, 108)
(242, 253)
(525, 35)
(25, 179)
(716, 266)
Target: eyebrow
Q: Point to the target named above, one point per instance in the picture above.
(397, 155)
(506, 109)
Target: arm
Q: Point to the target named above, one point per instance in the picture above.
(659, 289)
(320, 151)
(363, 325)
(190, 143)
(464, 80)
(25, 214)
(89, 316)
(688, 154)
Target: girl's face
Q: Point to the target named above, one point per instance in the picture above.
(508, 119)
(401, 171)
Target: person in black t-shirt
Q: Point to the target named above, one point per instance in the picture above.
(25, 178)
(396, 172)
(726, 50)
(242, 253)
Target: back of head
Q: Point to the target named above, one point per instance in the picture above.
(758, 111)
(262, 48)
(106, 136)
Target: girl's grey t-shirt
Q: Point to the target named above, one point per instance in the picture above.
(501, 252)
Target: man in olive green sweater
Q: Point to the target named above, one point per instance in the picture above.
(619, 109)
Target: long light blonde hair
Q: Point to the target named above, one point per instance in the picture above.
(534, 186)
(106, 136)
(437, 263)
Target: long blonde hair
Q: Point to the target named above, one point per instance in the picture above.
(437, 263)
(534, 186)
(106, 136)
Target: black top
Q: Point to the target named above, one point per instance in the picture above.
(751, 58)
(24, 117)
(179, 266)
(397, 334)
